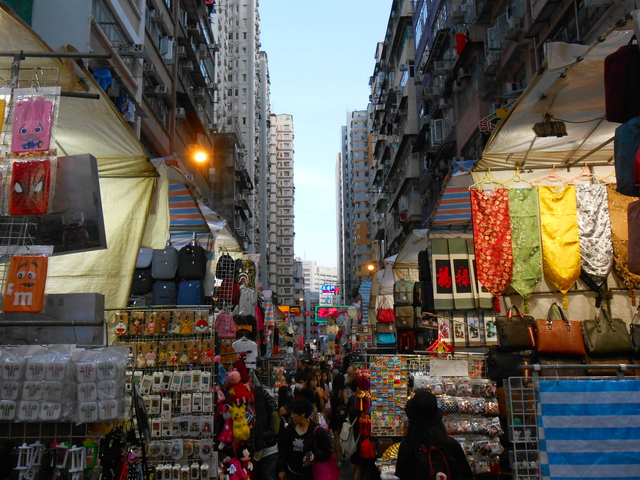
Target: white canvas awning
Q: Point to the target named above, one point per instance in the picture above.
(571, 88)
(127, 179)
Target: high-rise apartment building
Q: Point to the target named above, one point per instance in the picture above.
(354, 201)
(281, 213)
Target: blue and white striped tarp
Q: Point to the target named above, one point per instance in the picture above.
(365, 293)
(589, 429)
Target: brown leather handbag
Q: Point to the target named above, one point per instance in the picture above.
(516, 332)
(559, 336)
(606, 335)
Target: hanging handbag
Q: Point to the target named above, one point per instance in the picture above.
(606, 335)
(516, 333)
(386, 339)
(502, 365)
(559, 336)
(385, 327)
(635, 332)
(385, 313)
(328, 469)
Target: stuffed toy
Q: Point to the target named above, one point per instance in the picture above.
(246, 461)
(241, 432)
(238, 391)
(226, 436)
(241, 367)
(235, 470)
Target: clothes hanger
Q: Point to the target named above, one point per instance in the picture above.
(488, 178)
(194, 241)
(517, 177)
(552, 177)
(587, 174)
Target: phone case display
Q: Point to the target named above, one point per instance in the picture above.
(171, 361)
(33, 118)
(25, 284)
(388, 384)
(53, 384)
(31, 185)
(471, 416)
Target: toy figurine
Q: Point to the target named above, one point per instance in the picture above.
(184, 358)
(140, 361)
(150, 358)
(163, 358)
(173, 358)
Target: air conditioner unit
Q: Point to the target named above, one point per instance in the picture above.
(491, 63)
(458, 85)
(161, 90)
(135, 50)
(510, 88)
(403, 67)
(156, 16)
(494, 107)
(430, 92)
(464, 73)
(441, 66)
(444, 102)
(403, 203)
(181, 51)
(181, 112)
(149, 68)
(457, 14)
(213, 46)
(514, 27)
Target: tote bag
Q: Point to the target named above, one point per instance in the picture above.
(559, 336)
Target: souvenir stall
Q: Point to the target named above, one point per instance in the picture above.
(553, 250)
(61, 388)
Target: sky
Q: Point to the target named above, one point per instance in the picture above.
(321, 55)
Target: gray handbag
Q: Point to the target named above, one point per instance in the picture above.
(606, 335)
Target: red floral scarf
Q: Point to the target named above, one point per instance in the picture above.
(492, 240)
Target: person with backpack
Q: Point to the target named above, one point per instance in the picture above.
(302, 443)
(427, 451)
(339, 413)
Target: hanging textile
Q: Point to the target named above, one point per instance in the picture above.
(462, 281)
(618, 205)
(560, 237)
(441, 274)
(589, 429)
(594, 226)
(492, 240)
(526, 241)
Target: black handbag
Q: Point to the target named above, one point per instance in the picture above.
(516, 332)
(502, 365)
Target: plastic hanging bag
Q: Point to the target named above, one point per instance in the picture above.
(34, 113)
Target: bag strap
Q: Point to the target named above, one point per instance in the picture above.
(510, 312)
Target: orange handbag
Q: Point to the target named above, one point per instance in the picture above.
(25, 284)
(559, 336)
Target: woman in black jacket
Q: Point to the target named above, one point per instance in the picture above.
(302, 443)
(426, 430)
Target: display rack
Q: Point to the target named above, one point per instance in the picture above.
(522, 405)
(172, 364)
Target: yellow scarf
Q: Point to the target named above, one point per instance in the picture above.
(560, 237)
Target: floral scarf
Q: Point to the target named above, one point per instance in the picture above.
(492, 240)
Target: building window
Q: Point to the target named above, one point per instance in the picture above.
(244, 120)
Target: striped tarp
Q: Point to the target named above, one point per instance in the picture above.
(365, 293)
(589, 429)
(454, 206)
(184, 212)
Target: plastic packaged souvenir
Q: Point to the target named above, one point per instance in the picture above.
(32, 123)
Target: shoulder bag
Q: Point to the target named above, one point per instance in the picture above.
(606, 335)
(516, 332)
(635, 332)
(559, 336)
(385, 314)
(328, 469)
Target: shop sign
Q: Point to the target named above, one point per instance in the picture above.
(307, 313)
(331, 289)
(489, 123)
(295, 311)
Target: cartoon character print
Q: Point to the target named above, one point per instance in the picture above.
(25, 284)
(32, 125)
(30, 187)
